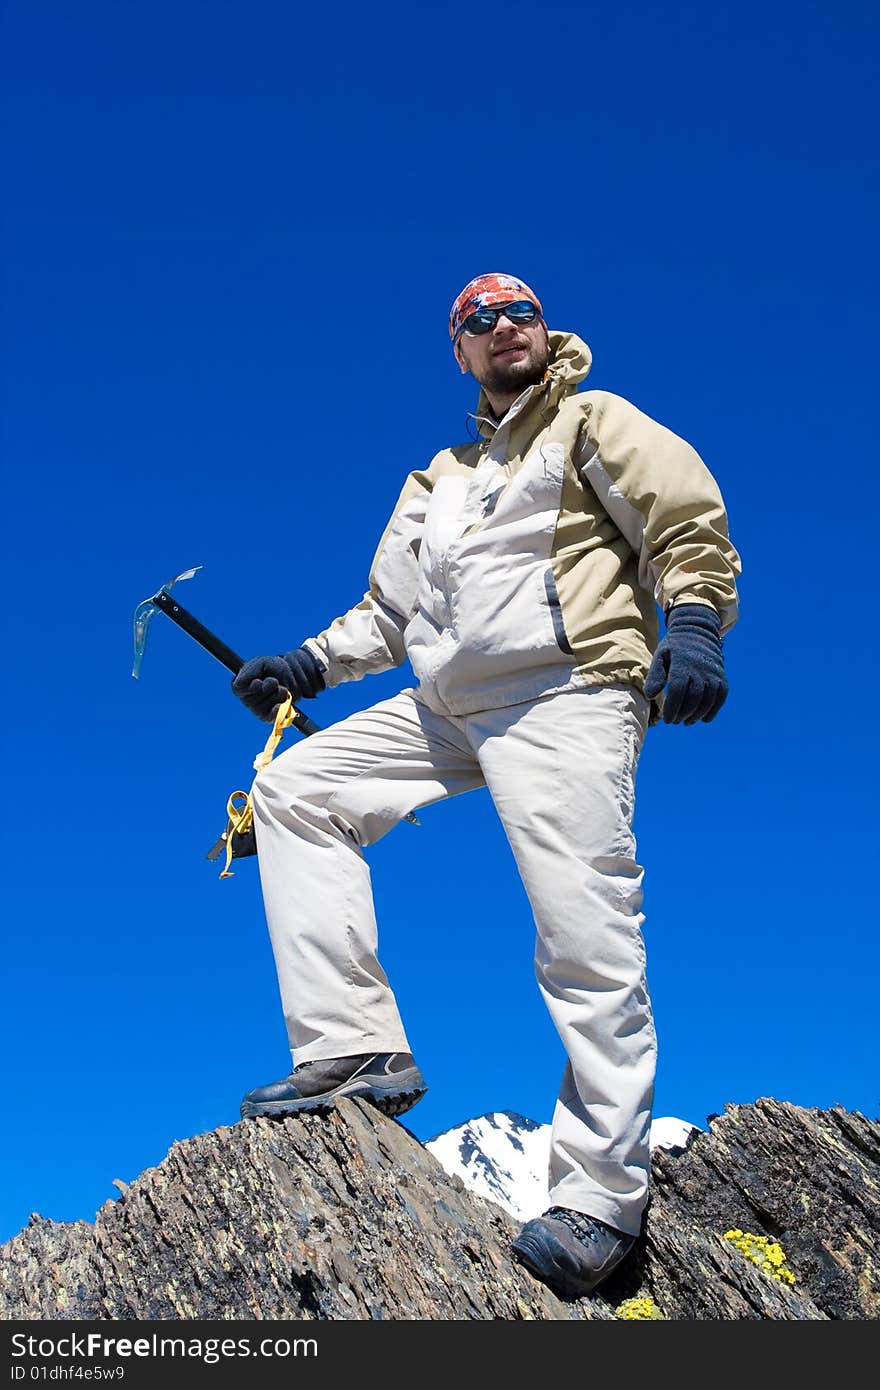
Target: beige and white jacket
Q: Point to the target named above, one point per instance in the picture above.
(533, 560)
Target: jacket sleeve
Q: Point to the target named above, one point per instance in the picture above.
(369, 637)
(664, 500)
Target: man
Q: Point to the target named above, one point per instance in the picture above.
(520, 574)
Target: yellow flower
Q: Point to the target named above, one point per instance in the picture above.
(639, 1310)
(767, 1254)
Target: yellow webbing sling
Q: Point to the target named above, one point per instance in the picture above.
(241, 817)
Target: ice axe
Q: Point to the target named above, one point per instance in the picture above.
(163, 602)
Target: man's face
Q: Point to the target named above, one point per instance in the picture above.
(509, 358)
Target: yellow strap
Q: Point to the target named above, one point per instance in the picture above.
(241, 817)
(283, 719)
(239, 822)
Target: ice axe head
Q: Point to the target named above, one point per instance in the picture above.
(144, 613)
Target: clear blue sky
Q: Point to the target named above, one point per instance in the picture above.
(232, 237)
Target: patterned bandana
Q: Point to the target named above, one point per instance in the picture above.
(484, 292)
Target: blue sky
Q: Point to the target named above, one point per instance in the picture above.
(232, 237)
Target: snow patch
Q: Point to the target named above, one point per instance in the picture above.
(504, 1157)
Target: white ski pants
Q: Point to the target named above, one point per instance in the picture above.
(561, 773)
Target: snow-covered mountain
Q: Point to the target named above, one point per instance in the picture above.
(503, 1157)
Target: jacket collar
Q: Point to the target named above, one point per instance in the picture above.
(570, 362)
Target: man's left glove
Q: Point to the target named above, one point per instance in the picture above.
(261, 683)
(690, 663)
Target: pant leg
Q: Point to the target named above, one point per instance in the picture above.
(315, 807)
(561, 772)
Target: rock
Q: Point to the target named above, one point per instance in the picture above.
(345, 1215)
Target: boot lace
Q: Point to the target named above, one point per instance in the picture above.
(582, 1226)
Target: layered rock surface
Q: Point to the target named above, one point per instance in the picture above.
(346, 1215)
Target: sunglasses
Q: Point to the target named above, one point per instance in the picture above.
(484, 320)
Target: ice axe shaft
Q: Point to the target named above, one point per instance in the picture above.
(211, 642)
(164, 602)
(205, 638)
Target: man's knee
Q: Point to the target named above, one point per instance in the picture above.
(296, 775)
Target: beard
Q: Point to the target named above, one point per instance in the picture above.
(500, 378)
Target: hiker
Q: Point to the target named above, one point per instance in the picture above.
(521, 575)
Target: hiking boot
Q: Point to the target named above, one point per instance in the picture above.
(569, 1251)
(389, 1080)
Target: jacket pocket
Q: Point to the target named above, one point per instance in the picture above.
(556, 612)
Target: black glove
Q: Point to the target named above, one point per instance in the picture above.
(261, 683)
(690, 663)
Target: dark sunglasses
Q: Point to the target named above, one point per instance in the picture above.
(484, 320)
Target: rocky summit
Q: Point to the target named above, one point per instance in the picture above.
(772, 1212)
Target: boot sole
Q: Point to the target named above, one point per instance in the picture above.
(391, 1102)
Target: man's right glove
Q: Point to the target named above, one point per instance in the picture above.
(261, 682)
(690, 663)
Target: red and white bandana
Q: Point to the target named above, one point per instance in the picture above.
(484, 292)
